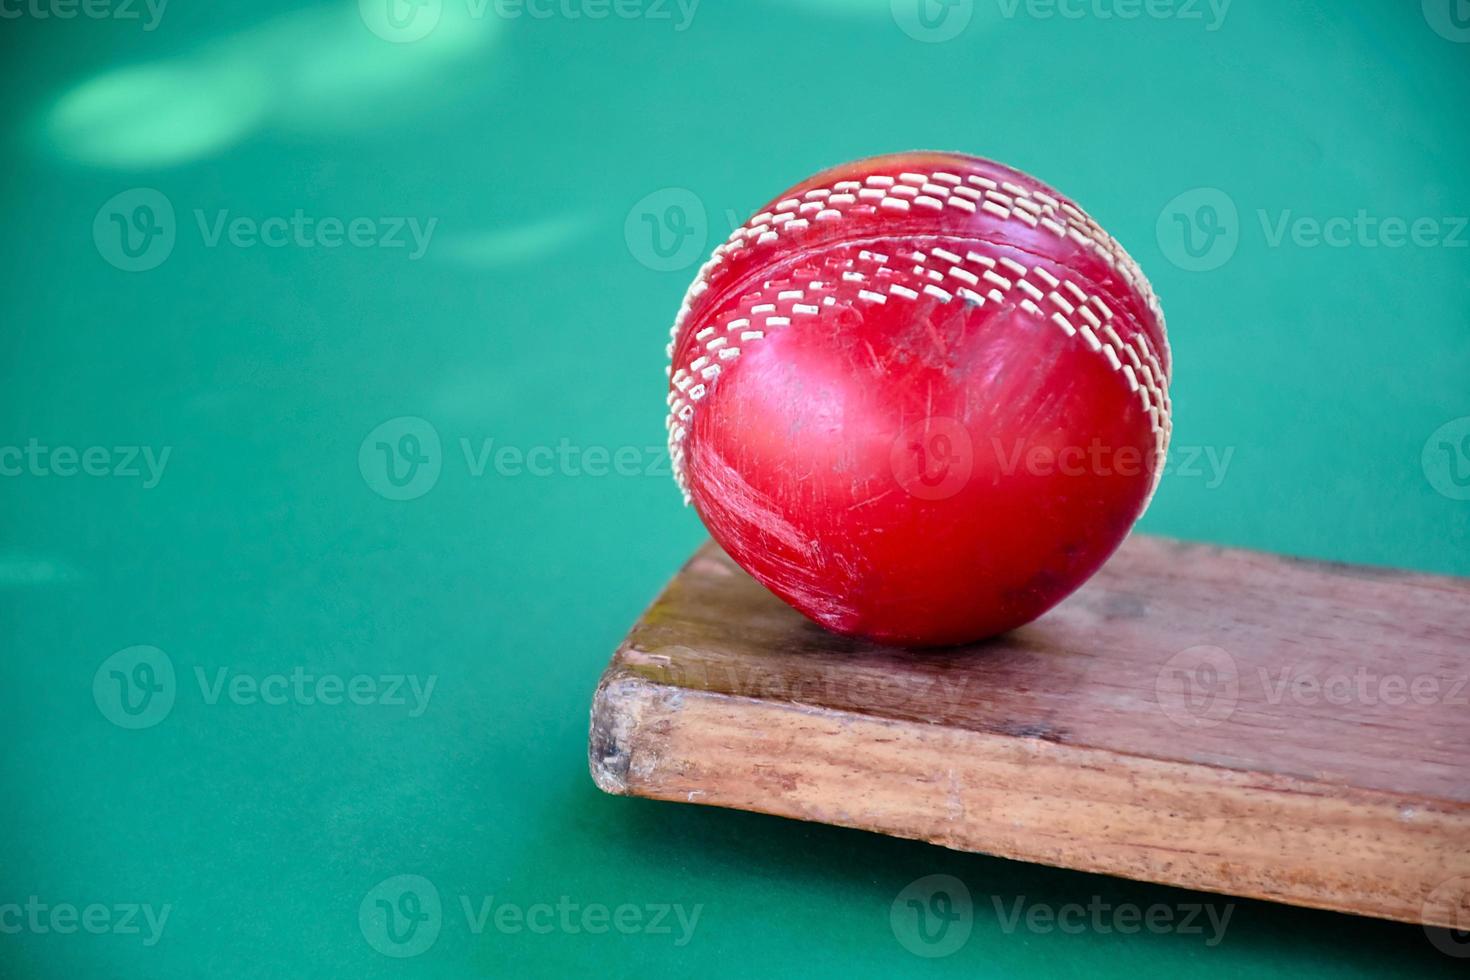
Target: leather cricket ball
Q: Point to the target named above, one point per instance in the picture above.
(920, 397)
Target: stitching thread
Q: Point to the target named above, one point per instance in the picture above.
(1141, 368)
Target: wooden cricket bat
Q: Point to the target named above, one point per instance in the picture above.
(1213, 718)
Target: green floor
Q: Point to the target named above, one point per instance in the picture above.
(256, 254)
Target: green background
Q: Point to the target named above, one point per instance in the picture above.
(538, 313)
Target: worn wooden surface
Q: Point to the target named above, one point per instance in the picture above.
(1213, 718)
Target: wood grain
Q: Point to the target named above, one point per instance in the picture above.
(1213, 718)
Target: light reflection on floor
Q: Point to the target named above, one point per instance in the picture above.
(321, 68)
(518, 243)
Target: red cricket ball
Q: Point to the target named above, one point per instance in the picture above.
(921, 397)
